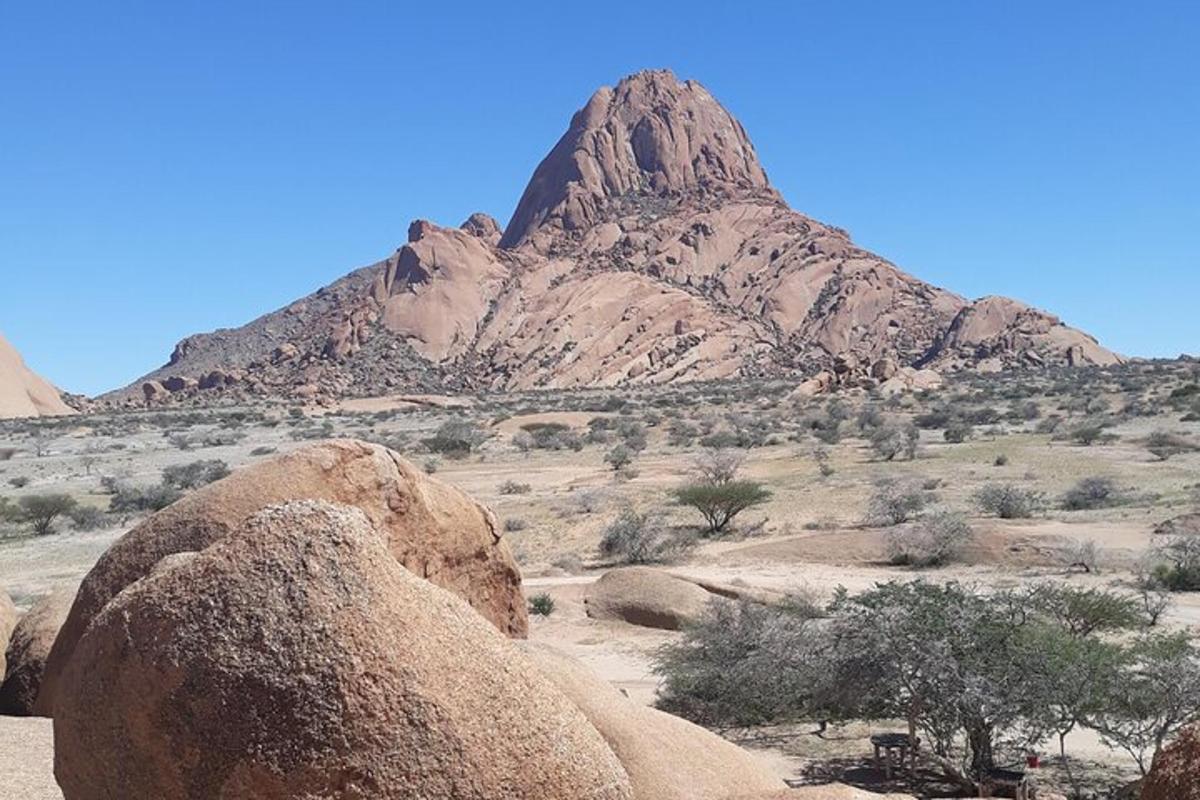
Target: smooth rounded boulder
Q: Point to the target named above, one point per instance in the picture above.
(295, 659)
(29, 648)
(667, 758)
(647, 597)
(435, 530)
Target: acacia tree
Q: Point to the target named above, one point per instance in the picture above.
(720, 503)
(1157, 695)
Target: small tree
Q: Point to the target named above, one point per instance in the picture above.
(41, 510)
(720, 504)
(1158, 695)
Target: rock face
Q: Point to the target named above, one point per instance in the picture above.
(434, 530)
(23, 393)
(650, 598)
(651, 134)
(8, 620)
(648, 247)
(28, 650)
(296, 658)
(1175, 774)
(667, 758)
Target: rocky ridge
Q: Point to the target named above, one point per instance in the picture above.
(648, 247)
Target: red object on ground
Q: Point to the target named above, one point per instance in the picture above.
(1033, 760)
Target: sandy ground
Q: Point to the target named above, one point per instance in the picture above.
(27, 760)
(807, 538)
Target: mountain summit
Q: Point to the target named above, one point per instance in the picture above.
(649, 246)
(652, 135)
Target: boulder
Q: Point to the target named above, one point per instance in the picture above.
(667, 758)
(28, 650)
(1175, 773)
(154, 392)
(647, 597)
(818, 384)
(179, 383)
(434, 530)
(8, 620)
(295, 658)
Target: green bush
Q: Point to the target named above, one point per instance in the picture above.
(1091, 493)
(194, 474)
(720, 504)
(541, 605)
(131, 499)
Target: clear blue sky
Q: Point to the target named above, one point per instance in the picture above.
(172, 167)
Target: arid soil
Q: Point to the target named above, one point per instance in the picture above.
(554, 504)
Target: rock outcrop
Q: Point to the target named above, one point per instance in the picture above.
(8, 620)
(648, 247)
(28, 651)
(22, 392)
(296, 658)
(1175, 773)
(436, 531)
(667, 758)
(648, 597)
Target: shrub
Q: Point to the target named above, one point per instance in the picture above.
(619, 457)
(1162, 445)
(195, 474)
(455, 438)
(1091, 493)
(635, 538)
(893, 504)
(1180, 567)
(549, 436)
(891, 441)
(41, 510)
(1090, 433)
(512, 487)
(131, 499)
(18, 481)
(958, 432)
(541, 605)
(87, 518)
(515, 524)
(263, 450)
(1007, 501)
(935, 540)
(720, 504)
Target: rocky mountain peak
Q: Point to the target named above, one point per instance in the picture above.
(651, 135)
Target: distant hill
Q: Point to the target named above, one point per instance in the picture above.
(648, 247)
(23, 393)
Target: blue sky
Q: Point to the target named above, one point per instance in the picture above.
(170, 168)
